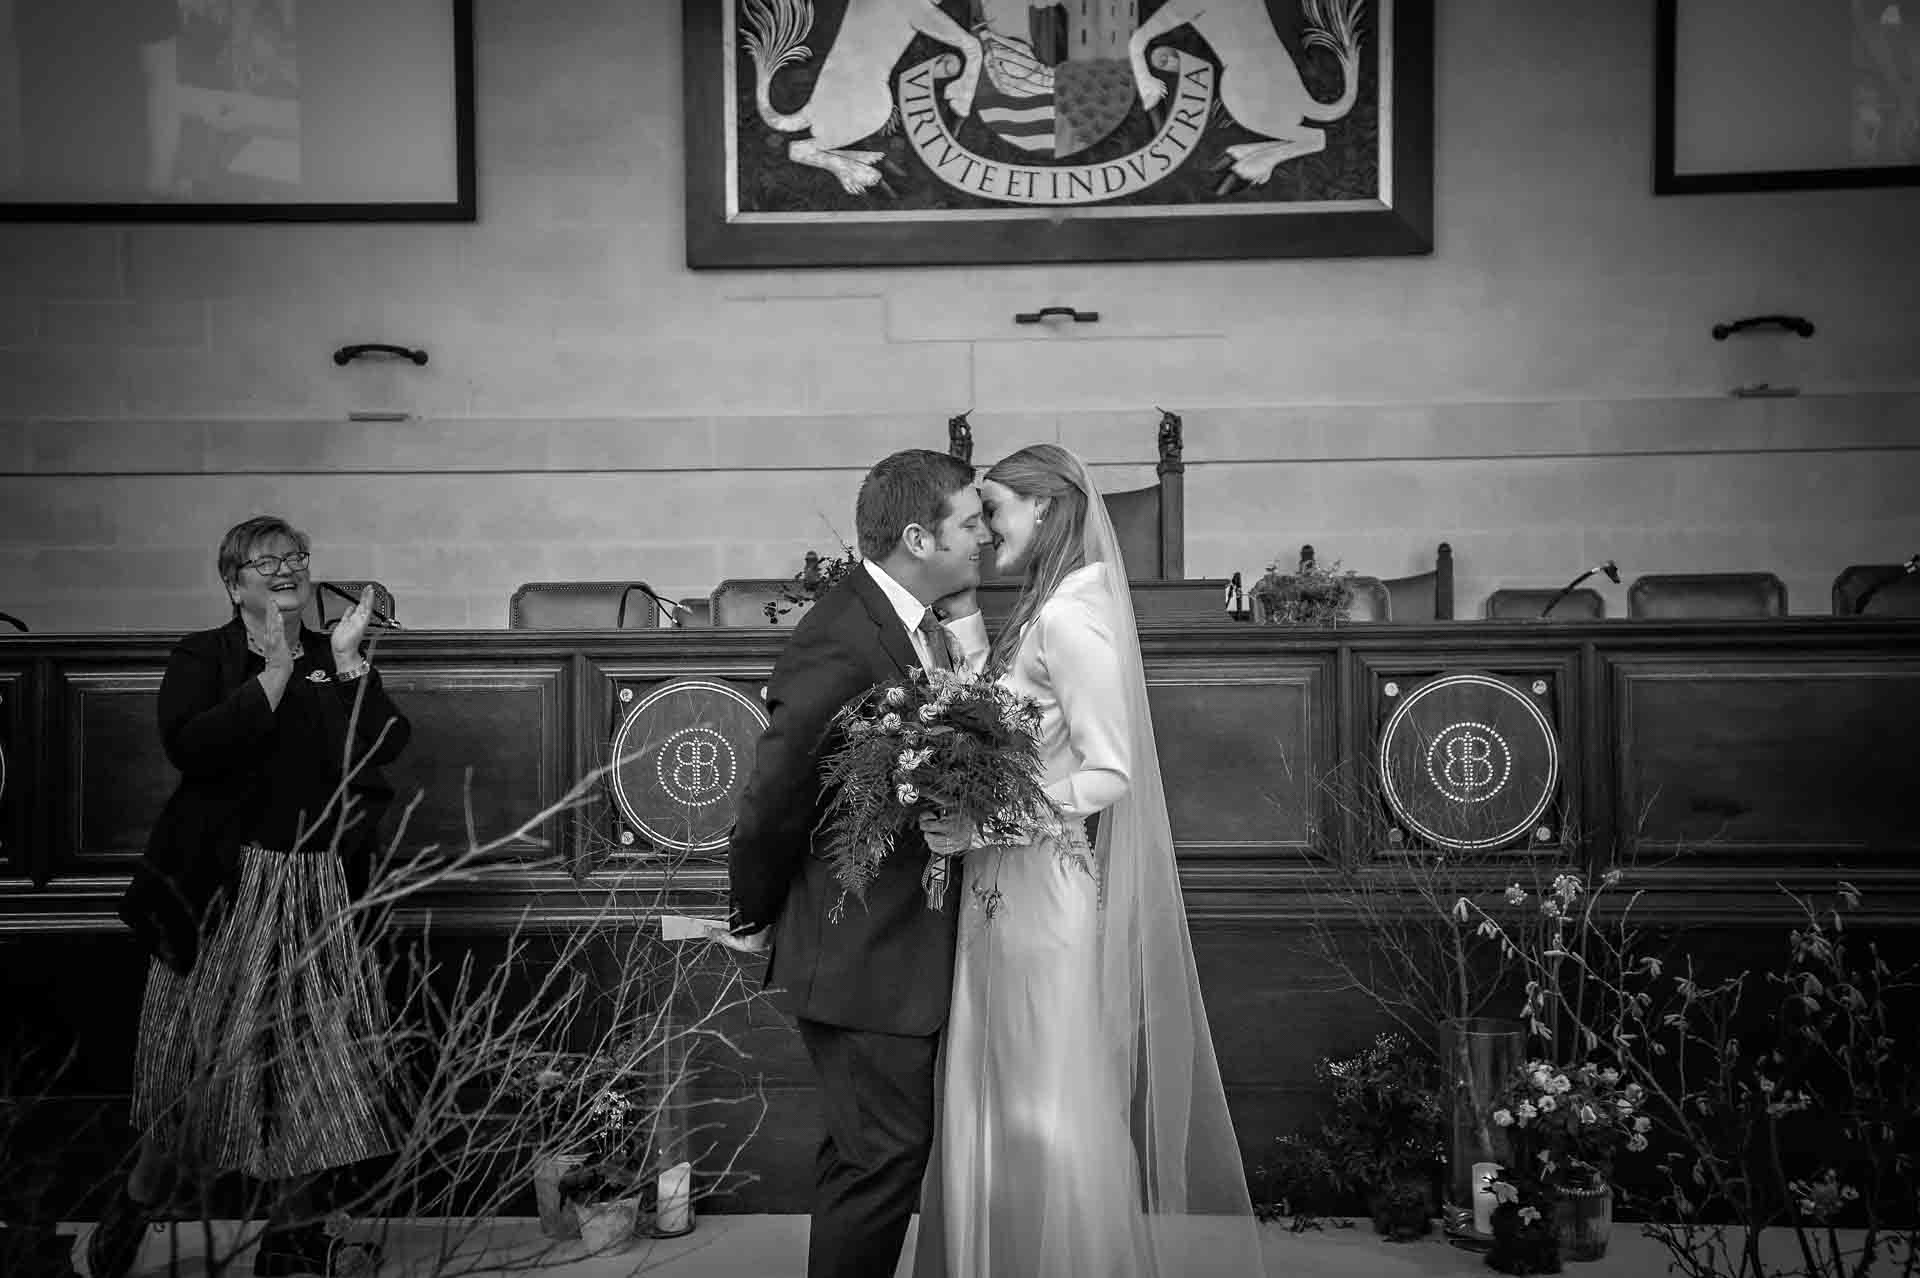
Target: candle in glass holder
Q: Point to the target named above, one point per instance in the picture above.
(1483, 1199)
(675, 1212)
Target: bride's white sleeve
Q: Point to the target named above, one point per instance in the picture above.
(1077, 653)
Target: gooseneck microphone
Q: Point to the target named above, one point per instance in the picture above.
(673, 610)
(1904, 570)
(1609, 568)
(380, 619)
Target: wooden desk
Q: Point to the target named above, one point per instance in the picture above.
(1735, 756)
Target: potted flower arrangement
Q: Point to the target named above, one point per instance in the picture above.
(1385, 1136)
(1566, 1126)
(816, 577)
(1309, 596)
(1524, 1238)
(588, 1122)
(603, 1190)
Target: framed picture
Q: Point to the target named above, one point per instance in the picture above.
(907, 132)
(1781, 95)
(236, 110)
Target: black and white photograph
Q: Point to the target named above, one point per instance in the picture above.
(959, 638)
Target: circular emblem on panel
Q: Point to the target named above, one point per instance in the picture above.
(1467, 761)
(681, 758)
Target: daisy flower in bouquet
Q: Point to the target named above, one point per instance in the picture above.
(937, 740)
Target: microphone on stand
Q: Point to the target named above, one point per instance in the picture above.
(1609, 568)
(380, 619)
(675, 612)
(1904, 570)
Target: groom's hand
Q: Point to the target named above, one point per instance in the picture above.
(949, 833)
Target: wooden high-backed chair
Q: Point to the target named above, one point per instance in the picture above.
(582, 605)
(1524, 603)
(1151, 523)
(330, 607)
(1888, 590)
(1707, 595)
(1425, 596)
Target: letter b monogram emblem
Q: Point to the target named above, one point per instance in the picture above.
(1468, 762)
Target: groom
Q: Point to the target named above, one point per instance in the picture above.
(869, 991)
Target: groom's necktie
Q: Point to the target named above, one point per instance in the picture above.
(939, 647)
(934, 880)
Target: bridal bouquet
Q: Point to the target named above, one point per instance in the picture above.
(937, 739)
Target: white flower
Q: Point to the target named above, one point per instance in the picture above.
(929, 712)
(1609, 1076)
(1636, 1142)
(1642, 1123)
(906, 760)
(1516, 895)
(1549, 1103)
(1527, 1112)
(890, 722)
(1460, 910)
(1502, 1118)
(896, 696)
(1587, 1114)
(907, 794)
(1560, 1083)
(1529, 1214)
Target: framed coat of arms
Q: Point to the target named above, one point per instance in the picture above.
(913, 132)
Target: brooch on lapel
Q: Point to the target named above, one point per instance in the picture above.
(318, 676)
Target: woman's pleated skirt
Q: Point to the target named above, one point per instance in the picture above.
(271, 1057)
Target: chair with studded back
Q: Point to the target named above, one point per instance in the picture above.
(1878, 590)
(1706, 595)
(582, 605)
(1425, 596)
(1519, 603)
(331, 599)
(743, 601)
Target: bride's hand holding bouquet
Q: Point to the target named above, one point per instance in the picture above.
(952, 753)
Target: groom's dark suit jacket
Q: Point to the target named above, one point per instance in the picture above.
(886, 966)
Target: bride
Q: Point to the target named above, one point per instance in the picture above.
(1084, 1129)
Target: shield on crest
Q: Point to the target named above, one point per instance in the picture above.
(1056, 75)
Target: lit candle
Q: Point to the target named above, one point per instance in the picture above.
(1483, 1199)
(675, 1212)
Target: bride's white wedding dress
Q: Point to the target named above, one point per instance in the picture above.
(1051, 1158)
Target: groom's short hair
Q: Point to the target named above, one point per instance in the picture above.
(914, 486)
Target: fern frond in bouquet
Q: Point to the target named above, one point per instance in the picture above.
(936, 739)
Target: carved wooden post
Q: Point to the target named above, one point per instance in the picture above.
(960, 437)
(1173, 506)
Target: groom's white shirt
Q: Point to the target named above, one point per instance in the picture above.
(969, 633)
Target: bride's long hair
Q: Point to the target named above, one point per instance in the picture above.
(1041, 470)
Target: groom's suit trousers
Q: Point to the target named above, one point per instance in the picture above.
(877, 1096)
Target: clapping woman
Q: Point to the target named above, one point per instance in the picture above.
(262, 1046)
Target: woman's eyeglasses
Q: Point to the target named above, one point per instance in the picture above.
(269, 565)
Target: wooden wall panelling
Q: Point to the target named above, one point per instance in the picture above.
(21, 794)
(111, 776)
(1255, 732)
(491, 741)
(1755, 755)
